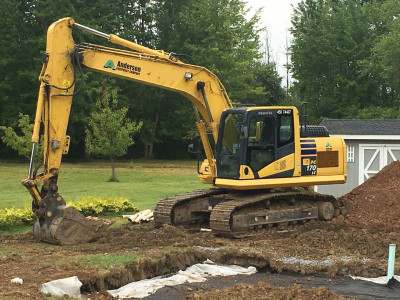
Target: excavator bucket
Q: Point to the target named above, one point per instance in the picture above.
(60, 224)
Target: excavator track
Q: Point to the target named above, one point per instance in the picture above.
(239, 214)
(187, 209)
(245, 216)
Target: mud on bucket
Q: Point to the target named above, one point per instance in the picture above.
(65, 225)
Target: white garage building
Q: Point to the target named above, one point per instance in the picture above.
(371, 145)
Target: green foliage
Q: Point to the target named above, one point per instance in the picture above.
(345, 59)
(20, 60)
(374, 112)
(382, 68)
(94, 206)
(267, 88)
(16, 216)
(223, 40)
(21, 143)
(215, 33)
(109, 132)
(89, 206)
(330, 38)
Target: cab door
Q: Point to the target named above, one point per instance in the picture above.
(271, 137)
(261, 143)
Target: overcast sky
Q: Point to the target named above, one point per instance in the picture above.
(276, 17)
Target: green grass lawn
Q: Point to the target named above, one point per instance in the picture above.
(144, 183)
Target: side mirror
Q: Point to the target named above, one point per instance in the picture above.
(191, 149)
(244, 132)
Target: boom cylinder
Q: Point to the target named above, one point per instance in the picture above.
(31, 161)
(94, 31)
(120, 41)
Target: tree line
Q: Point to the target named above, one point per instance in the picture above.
(344, 61)
(215, 34)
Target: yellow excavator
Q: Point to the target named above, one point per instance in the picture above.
(262, 154)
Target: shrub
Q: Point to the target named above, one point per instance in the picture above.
(16, 216)
(89, 206)
(94, 206)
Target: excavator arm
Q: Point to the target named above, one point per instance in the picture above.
(63, 62)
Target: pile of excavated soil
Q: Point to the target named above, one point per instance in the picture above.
(375, 204)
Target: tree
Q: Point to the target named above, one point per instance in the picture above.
(382, 68)
(330, 40)
(20, 61)
(221, 39)
(109, 132)
(215, 33)
(266, 86)
(22, 143)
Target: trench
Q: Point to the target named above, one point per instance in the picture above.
(177, 260)
(143, 269)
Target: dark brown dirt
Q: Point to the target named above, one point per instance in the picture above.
(266, 291)
(356, 244)
(376, 203)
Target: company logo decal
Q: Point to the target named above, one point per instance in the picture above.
(109, 64)
(121, 66)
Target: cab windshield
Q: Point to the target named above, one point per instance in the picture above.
(228, 156)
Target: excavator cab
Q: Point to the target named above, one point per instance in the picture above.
(254, 138)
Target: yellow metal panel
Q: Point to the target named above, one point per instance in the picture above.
(206, 172)
(275, 167)
(278, 182)
(328, 144)
(58, 73)
(297, 156)
(294, 108)
(246, 169)
(207, 148)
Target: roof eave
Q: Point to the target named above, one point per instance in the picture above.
(367, 137)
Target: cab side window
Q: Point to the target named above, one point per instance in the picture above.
(285, 131)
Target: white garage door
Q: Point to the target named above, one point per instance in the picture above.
(374, 157)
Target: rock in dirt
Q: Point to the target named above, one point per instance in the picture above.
(17, 280)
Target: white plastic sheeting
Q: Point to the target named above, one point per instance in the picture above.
(140, 217)
(195, 273)
(70, 286)
(379, 280)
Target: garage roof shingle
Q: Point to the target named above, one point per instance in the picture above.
(362, 127)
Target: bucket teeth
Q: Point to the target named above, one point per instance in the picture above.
(60, 224)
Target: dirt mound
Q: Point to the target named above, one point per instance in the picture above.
(375, 204)
(265, 291)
